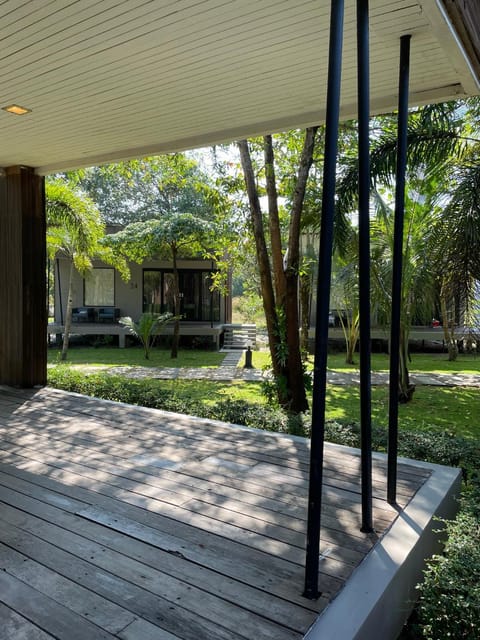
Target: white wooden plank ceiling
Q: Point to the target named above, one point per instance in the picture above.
(122, 78)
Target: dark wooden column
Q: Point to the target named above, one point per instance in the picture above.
(23, 313)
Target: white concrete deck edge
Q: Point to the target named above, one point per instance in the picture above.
(379, 596)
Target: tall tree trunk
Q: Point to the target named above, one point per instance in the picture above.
(305, 297)
(266, 284)
(405, 390)
(68, 314)
(274, 223)
(176, 305)
(448, 327)
(295, 368)
(281, 310)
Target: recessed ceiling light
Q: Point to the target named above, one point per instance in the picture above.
(16, 109)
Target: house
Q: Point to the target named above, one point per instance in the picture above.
(102, 297)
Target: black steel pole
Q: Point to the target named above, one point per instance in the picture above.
(397, 266)
(323, 299)
(363, 75)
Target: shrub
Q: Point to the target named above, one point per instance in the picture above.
(439, 447)
(449, 605)
(249, 414)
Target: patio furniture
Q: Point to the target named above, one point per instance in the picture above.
(83, 314)
(108, 314)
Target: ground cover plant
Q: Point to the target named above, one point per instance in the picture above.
(449, 604)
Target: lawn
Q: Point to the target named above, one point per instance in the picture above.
(133, 356)
(420, 362)
(453, 409)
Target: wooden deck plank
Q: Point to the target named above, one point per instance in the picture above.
(141, 602)
(164, 437)
(404, 488)
(143, 630)
(189, 529)
(15, 626)
(269, 513)
(171, 559)
(85, 603)
(206, 549)
(143, 590)
(336, 471)
(181, 599)
(45, 613)
(254, 532)
(151, 464)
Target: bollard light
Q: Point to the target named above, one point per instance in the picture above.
(248, 359)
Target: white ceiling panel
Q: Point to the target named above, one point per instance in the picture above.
(118, 79)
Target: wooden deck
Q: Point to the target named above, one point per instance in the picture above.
(123, 522)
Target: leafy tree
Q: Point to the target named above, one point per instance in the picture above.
(75, 229)
(171, 236)
(138, 190)
(438, 140)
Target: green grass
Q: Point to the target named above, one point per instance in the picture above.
(420, 362)
(133, 356)
(208, 392)
(453, 409)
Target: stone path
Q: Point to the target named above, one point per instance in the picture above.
(229, 370)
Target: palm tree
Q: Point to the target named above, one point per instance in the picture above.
(441, 215)
(147, 328)
(457, 244)
(74, 229)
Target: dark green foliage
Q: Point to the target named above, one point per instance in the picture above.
(439, 447)
(449, 606)
(249, 414)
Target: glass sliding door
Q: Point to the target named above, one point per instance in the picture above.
(197, 302)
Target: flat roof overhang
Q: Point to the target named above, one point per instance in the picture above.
(115, 80)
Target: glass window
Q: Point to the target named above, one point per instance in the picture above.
(197, 301)
(210, 300)
(100, 288)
